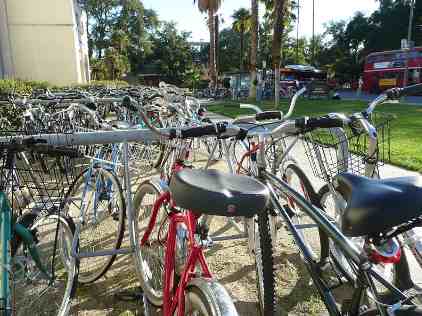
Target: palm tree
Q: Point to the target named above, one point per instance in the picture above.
(211, 6)
(254, 47)
(279, 12)
(242, 24)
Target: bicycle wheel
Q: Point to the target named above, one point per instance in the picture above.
(33, 293)
(394, 273)
(305, 225)
(403, 311)
(264, 264)
(97, 197)
(208, 298)
(149, 259)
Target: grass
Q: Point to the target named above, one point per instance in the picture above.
(406, 129)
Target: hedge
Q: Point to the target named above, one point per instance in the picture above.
(25, 87)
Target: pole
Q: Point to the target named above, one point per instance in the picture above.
(409, 37)
(297, 32)
(313, 32)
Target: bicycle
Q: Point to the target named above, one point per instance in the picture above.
(36, 270)
(371, 141)
(172, 240)
(280, 192)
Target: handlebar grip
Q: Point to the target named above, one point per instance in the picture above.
(268, 115)
(318, 122)
(396, 93)
(127, 102)
(206, 130)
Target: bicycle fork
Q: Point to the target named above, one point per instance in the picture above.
(5, 266)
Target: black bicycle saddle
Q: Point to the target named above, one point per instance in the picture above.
(375, 206)
(216, 193)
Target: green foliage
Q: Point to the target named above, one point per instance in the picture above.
(242, 23)
(21, 87)
(172, 54)
(111, 67)
(229, 55)
(193, 77)
(102, 83)
(125, 37)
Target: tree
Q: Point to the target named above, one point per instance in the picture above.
(254, 47)
(171, 55)
(229, 44)
(279, 12)
(193, 77)
(211, 7)
(242, 24)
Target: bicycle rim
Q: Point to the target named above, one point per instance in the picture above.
(34, 294)
(101, 196)
(208, 298)
(341, 263)
(149, 259)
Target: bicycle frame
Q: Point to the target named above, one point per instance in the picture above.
(195, 255)
(5, 263)
(8, 228)
(365, 272)
(176, 301)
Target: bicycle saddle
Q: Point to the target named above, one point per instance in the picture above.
(375, 206)
(215, 193)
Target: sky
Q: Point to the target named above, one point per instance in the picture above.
(188, 18)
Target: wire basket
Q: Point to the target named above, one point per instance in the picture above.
(35, 180)
(333, 151)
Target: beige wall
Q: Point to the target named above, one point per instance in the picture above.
(44, 41)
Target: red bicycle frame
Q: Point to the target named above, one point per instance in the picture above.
(251, 151)
(174, 295)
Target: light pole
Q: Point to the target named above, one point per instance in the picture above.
(297, 32)
(409, 37)
(313, 32)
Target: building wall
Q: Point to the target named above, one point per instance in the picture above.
(46, 40)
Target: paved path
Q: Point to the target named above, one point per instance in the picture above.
(386, 171)
(352, 95)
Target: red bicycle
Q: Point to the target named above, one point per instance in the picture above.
(172, 266)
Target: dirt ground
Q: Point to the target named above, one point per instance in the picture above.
(117, 294)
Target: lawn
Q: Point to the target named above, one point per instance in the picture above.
(406, 130)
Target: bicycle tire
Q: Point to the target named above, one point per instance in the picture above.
(208, 298)
(86, 272)
(398, 273)
(45, 304)
(145, 197)
(403, 311)
(265, 266)
(314, 237)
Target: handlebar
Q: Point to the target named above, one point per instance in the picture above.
(253, 107)
(269, 115)
(393, 94)
(219, 129)
(289, 113)
(318, 122)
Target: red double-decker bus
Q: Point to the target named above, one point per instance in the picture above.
(385, 70)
